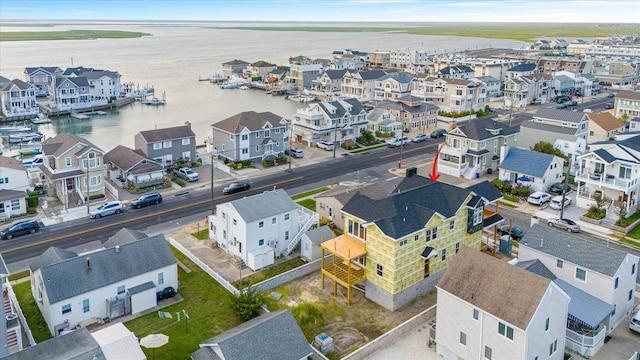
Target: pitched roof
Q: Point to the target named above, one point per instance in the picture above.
(626, 94)
(453, 69)
(126, 159)
(406, 211)
(7, 195)
(571, 248)
(338, 108)
(64, 142)
(527, 162)
(483, 281)
(343, 194)
(79, 81)
(560, 115)
(118, 342)
(606, 121)
(271, 336)
(17, 82)
(262, 63)
(176, 132)
(124, 236)
(11, 163)
(51, 256)
(249, 119)
(370, 74)
(261, 206)
(335, 74)
(76, 345)
(524, 67)
(486, 190)
(563, 130)
(481, 129)
(49, 69)
(320, 234)
(106, 267)
(235, 62)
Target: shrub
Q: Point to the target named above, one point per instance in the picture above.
(32, 199)
(349, 144)
(178, 181)
(361, 140)
(595, 213)
(247, 303)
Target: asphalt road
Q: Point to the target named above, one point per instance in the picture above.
(174, 208)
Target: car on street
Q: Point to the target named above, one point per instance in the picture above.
(608, 105)
(396, 141)
(294, 152)
(556, 188)
(572, 103)
(611, 95)
(326, 145)
(565, 224)
(108, 208)
(556, 202)
(153, 198)
(516, 232)
(186, 174)
(419, 138)
(437, 133)
(561, 106)
(634, 324)
(503, 107)
(236, 187)
(490, 110)
(538, 198)
(587, 111)
(20, 228)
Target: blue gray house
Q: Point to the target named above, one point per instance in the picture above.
(531, 169)
(167, 145)
(250, 136)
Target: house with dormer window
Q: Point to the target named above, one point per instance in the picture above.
(360, 84)
(452, 94)
(250, 135)
(475, 147)
(333, 121)
(411, 113)
(397, 247)
(329, 82)
(167, 145)
(18, 98)
(42, 78)
(71, 93)
(74, 167)
(393, 86)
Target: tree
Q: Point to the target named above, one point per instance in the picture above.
(247, 303)
(548, 148)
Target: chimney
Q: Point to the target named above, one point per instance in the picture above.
(504, 150)
(188, 124)
(117, 248)
(88, 264)
(411, 171)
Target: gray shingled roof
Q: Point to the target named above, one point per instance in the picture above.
(127, 159)
(172, 133)
(355, 107)
(371, 74)
(560, 115)
(236, 62)
(335, 74)
(124, 236)
(11, 163)
(320, 234)
(76, 345)
(400, 106)
(79, 81)
(537, 267)
(106, 267)
(479, 129)
(140, 288)
(64, 141)
(571, 248)
(524, 67)
(6, 195)
(49, 69)
(486, 190)
(549, 128)
(630, 146)
(51, 256)
(342, 194)
(248, 119)
(17, 82)
(455, 69)
(527, 162)
(264, 205)
(271, 336)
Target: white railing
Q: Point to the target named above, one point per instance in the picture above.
(306, 219)
(217, 277)
(110, 188)
(585, 345)
(606, 180)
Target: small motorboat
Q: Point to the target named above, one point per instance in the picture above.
(41, 119)
(18, 138)
(154, 101)
(33, 163)
(30, 151)
(11, 129)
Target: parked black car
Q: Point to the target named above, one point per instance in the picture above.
(437, 133)
(166, 293)
(20, 228)
(235, 187)
(153, 198)
(556, 188)
(608, 105)
(516, 232)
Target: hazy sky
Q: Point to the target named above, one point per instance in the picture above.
(606, 11)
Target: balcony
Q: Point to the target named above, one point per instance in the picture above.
(606, 180)
(585, 342)
(428, 95)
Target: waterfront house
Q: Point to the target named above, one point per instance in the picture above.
(627, 103)
(603, 126)
(234, 67)
(360, 84)
(475, 147)
(250, 136)
(411, 112)
(404, 58)
(106, 284)
(393, 86)
(104, 85)
(130, 168)
(69, 161)
(491, 84)
(276, 76)
(11, 340)
(531, 169)
(300, 59)
(329, 203)
(349, 60)
(379, 59)
(333, 121)
(168, 145)
(611, 170)
(42, 78)
(71, 93)
(303, 75)
(565, 130)
(14, 183)
(310, 248)
(273, 335)
(452, 94)
(398, 246)
(475, 320)
(329, 82)
(601, 271)
(456, 72)
(260, 228)
(483, 65)
(258, 70)
(18, 99)
(520, 70)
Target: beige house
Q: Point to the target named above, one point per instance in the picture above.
(259, 69)
(69, 161)
(360, 84)
(627, 102)
(603, 126)
(452, 94)
(329, 204)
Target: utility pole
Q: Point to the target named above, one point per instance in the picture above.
(510, 108)
(401, 146)
(335, 138)
(213, 199)
(564, 192)
(291, 135)
(88, 185)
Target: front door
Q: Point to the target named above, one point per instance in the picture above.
(426, 268)
(69, 184)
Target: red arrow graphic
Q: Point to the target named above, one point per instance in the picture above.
(434, 174)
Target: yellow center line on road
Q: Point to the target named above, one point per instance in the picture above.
(410, 150)
(101, 227)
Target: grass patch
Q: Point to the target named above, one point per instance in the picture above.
(377, 146)
(509, 205)
(202, 234)
(635, 216)
(69, 35)
(630, 242)
(19, 275)
(527, 32)
(308, 203)
(269, 272)
(208, 305)
(511, 198)
(179, 181)
(309, 193)
(30, 310)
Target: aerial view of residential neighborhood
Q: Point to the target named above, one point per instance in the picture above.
(297, 180)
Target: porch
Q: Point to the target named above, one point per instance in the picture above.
(583, 340)
(346, 266)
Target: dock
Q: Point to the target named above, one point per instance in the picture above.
(78, 116)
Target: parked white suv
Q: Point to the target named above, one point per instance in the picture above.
(397, 141)
(325, 145)
(538, 198)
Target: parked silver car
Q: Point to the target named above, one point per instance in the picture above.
(566, 224)
(108, 208)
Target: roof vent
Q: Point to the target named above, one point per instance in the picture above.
(404, 219)
(117, 248)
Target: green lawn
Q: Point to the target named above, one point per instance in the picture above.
(69, 35)
(630, 242)
(269, 272)
(310, 192)
(509, 205)
(372, 147)
(208, 306)
(202, 234)
(30, 310)
(308, 203)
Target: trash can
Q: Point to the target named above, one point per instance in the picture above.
(489, 171)
(477, 175)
